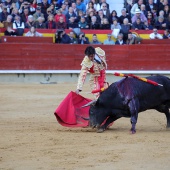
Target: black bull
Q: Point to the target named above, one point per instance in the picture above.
(128, 97)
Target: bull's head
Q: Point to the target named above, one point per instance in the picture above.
(92, 114)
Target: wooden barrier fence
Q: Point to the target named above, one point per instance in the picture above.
(49, 56)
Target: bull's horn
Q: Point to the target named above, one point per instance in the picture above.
(85, 118)
(88, 104)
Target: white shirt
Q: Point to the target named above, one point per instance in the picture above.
(155, 36)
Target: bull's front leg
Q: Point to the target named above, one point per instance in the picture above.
(133, 106)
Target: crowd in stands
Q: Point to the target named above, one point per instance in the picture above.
(85, 14)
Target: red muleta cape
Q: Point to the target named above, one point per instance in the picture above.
(69, 113)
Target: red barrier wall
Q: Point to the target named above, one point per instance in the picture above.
(68, 57)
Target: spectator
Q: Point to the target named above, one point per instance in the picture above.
(96, 5)
(150, 6)
(9, 31)
(115, 24)
(80, 6)
(147, 26)
(109, 40)
(155, 34)
(44, 6)
(40, 23)
(83, 39)
(120, 40)
(57, 4)
(150, 19)
(52, 9)
(73, 39)
(105, 25)
(65, 39)
(64, 9)
(61, 24)
(123, 16)
(24, 15)
(30, 22)
(80, 14)
(14, 13)
(133, 39)
(95, 40)
(70, 13)
(138, 25)
(168, 22)
(100, 16)
(166, 11)
(105, 10)
(113, 15)
(58, 15)
(8, 22)
(73, 5)
(50, 23)
(143, 10)
(125, 27)
(161, 23)
(33, 33)
(82, 23)
(72, 23)
(103, 1)
(18, 23)
(38, 13)
(89, 15)
(135, 7)
(137, 15)
(3, 14)
(90, 5)
(129, 7)
(166, 34)
(94, 24)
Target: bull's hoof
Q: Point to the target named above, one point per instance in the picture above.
(100, 130)
(132, 131)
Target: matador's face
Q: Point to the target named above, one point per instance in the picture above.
(91, 57)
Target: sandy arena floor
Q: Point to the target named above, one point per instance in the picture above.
(32, 139)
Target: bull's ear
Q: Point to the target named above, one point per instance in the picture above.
(93, 102)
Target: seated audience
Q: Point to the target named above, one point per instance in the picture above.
(65, 39)
(125, 27)
(155, 34)
(94, 25)
(73, 39)
(105, 10)
(123, 16)
(166, 34)
(40, 23)
(95, 40)
(61, 24)
(137, 15)
(105, 25)
(147, 26)
(120, 40)
(115, 24)
(133, 39)
(82, 23)
(113, 15)
(30, 22)
(161, 24)
(109, 40)
(8, 22)
(9, 31)
(50, 23)
(138, 25)
(33, 33)
(72, 23)
(38, 13)
(83, 39)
